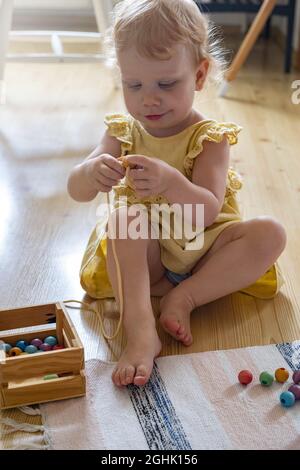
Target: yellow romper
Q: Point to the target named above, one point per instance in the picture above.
(179, 151)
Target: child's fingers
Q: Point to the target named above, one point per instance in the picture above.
(137, 174)
(102, 187)
(113, 163)
(107, 181)
(141, 184)
(111, 173)
(125, 163)
(138, 160)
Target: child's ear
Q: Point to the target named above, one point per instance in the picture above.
(201, 74)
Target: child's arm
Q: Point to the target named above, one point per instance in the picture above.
(208, 184)
(98, 172)
(207, 187)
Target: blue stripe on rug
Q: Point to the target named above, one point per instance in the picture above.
(291, 353)
(157, 416)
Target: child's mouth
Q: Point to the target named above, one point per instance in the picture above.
(155, 117)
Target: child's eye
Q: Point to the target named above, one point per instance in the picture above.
(134, 87)
(167, 85)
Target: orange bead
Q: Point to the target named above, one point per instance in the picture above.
(281, 375)
(15, 352)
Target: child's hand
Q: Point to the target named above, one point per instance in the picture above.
(153, 176)
(103, 172)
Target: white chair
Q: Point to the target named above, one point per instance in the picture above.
(102, 9)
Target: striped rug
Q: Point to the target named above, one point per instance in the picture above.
(192, 401)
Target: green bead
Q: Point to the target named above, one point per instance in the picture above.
(50, 376)
(266, 379)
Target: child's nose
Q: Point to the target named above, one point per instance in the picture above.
(150, 100)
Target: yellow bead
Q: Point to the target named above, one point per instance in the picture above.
(281, 375)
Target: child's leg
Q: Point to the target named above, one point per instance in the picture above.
(140, 266)
(241, 254)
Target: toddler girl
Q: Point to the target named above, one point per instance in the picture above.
(176, 155)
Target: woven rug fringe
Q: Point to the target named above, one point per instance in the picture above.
(30, 410)
(16, 426)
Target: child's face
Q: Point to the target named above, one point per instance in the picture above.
(160, 93)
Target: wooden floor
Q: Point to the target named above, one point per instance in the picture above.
(52, 119)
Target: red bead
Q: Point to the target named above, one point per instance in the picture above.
(245, 377)
(45, 347)
(57, 346)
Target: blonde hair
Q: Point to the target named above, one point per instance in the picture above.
(155, 26)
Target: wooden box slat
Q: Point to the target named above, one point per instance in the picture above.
(45, 391)
(27, 316)
(21, 377)
(32, 365)
(12, 338)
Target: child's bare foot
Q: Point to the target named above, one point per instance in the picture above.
(175, 310)
(136, 363)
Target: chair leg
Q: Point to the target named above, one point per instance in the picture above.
(289, 38)
(6, 9)
(247, 44)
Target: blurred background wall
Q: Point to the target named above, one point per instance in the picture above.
(78, 15)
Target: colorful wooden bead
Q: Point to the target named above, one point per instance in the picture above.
(287, 399)
(58, 346)
(295, 389)
(30, 349)
(15, 352)
(36, 342)
(51, 376)
(7, 347)
(245, 377)
(281, 375)
(296, 377)
(50, 340)
(45, 347)
(266, 379)
(22, 344)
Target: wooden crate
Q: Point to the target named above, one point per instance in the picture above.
(21, 377)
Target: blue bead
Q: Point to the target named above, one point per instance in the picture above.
(22, 344)
(7, 347)
(50, 340)
(287, 399)
(31, 349)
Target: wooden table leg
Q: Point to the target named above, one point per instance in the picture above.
(248, 42)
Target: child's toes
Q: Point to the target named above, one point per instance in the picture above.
(187, 340)
(141, 376)
(182, 334)
(116, 377)
(123, 376)
(129, 375)
(180, 330)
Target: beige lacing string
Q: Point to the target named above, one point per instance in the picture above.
(119, 278)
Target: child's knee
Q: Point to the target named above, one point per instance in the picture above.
(269, 235)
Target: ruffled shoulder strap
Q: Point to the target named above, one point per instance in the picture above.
(212, 131)
(120, 126)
